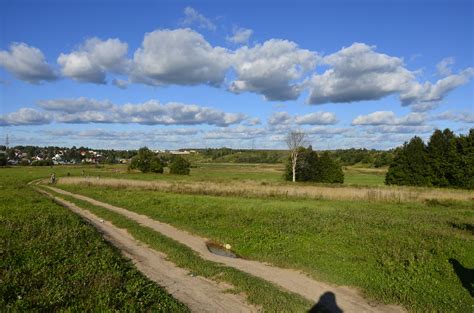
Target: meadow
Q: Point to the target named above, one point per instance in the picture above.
(51, 260)
(394, 252)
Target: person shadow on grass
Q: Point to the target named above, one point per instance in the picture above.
(465, 275)
(326, 304)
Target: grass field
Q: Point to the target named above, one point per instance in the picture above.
(396, 253)
(51, 260)
(393, 252)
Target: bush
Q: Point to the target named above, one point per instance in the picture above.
(3, 159)
(42, 163)
(25, 162)
(146, 161)
(180, 166)
(312, 167)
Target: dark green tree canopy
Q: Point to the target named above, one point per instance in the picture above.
(312, 167)
(179, 166)
(446, 161)
(146, 161)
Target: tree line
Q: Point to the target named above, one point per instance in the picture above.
(447, 160)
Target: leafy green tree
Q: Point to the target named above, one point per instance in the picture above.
(312, 167)
(179, 166)
(410, 165)
(146, 161)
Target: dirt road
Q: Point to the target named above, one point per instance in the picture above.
(348, 299)
(198, 293)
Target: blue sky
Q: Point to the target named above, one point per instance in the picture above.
(172, 74)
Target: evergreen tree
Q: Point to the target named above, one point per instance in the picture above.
(410, 165)
(465, 148)
(329, 170)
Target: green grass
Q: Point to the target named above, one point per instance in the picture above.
(259, 292)
(223, 172)
(396, 253)
(50, 260)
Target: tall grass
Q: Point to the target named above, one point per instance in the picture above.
(264, 189)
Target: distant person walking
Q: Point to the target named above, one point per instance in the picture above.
(53, 179)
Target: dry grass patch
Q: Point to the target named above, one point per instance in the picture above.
(261, 189)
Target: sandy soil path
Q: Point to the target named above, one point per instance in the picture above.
(198, 293)
(347, 299)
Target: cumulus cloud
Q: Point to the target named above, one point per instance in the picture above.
(80, 104)
(466, 117)
(426, 96)
(84, 110)
(358, 73)
(26, 63)
(192, 16)
(92, 60)
(401, 129)
(152, 112)
(120, 83)
(238, 132)
(389, 118)
(240, 35)
(279, 118)
(444, 66)
(25, 116)
(181, 57)
(271, 68)
(317, 118)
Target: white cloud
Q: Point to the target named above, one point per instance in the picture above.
(316, 118)
(26, 63)
(358, 73)
(240, 35)
(279, 118)
(466, 117)
(389, 118)
(444, 66)
(401, 129)
(91, 61)
(423, 97)
(25, 116)
(238, 132)
(181, 57)
(192, 16)
(120, 83)
(271, 69)
(152, 112)
(80, 104)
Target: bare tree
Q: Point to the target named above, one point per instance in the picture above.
(295, 140)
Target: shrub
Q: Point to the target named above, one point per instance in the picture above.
(179, 166)
(146, 161)
(42, 163)
(3, 159)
